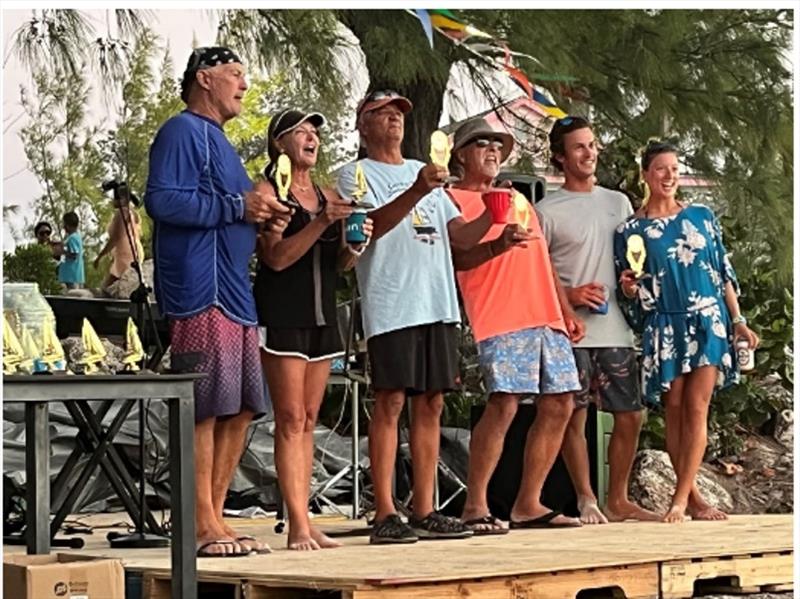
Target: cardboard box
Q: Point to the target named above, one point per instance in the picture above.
(62, 576)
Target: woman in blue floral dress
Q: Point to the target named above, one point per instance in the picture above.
(685, 305)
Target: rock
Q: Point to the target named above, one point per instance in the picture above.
(784, 429)
(653, 482)
(73, 350)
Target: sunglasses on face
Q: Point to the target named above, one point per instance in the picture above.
(43, 233)
(485, 142)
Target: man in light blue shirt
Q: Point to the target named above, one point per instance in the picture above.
(410, 310)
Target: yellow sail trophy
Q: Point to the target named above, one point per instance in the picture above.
(636, 254)
(440, 149)
(134, 351)
(52, 352)
(93, 350)
(283, 177)
(13, 354)
(360, 189)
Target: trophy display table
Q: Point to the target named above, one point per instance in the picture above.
(36, 392)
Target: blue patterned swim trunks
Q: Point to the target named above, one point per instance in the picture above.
(538, 360)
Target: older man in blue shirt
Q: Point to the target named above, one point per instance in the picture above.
(206, 215)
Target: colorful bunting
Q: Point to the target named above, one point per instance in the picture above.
(453, 28)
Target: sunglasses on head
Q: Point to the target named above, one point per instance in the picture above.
(381, 95)
(566, 121)
(485, 142)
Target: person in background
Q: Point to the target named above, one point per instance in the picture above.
(70, 270)
(119, 240)
(684, 301)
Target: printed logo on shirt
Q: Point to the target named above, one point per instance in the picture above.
(421, 220)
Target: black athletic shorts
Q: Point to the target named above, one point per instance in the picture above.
(419, 359)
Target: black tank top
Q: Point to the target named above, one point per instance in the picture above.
(304, 294)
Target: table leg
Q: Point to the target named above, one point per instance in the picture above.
(37, 477)
(182, 499)
(355, 458)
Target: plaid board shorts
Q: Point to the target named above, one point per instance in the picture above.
(612, 373)
(537, 360)
(227, 352)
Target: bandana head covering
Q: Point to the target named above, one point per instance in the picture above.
(204, 58)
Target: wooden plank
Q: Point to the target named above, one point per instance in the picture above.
(488, 589)
(677, 580)
(252, 590)
(637, 582)
(777, 588)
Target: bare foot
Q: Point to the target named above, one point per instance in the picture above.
(628, 510)
(301, 542)
(323, 540)
(676, 513)
(590, 512)
(701, 510)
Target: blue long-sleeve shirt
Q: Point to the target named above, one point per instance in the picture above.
(201, 243)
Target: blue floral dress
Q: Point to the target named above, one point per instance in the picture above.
(680, 308)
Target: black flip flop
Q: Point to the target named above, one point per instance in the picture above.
(201, 549)
(545, 521)
(488, 520)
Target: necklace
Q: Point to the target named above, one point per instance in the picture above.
(300, 187)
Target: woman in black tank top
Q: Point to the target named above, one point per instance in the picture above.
(295, 293)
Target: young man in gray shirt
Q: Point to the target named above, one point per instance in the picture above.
(578, 222)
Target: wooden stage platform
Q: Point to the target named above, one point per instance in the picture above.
(633, 560)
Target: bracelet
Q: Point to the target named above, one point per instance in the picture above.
(739, 320)
(356, 253)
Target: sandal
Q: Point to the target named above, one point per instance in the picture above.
(391, 530)
(438, 526)
(202, 549)
(478, 526)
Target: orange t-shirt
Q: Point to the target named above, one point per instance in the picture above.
(512, 291)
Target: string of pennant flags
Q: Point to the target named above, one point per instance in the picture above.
(457, 31)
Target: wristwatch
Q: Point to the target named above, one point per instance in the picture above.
(739, 320)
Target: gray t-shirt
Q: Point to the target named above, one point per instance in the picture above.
(406, 277)
(579, 229)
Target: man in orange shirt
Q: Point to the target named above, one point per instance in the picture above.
(523, 325)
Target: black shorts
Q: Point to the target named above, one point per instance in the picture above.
(420, 359)
(611, 372)
(311, 344)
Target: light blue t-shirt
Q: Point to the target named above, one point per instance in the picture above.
(406, 277)
(70, 270)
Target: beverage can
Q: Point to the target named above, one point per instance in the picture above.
(745, 356)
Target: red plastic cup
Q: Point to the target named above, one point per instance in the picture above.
(498, 202)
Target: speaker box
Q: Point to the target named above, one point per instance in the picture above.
(558, 492)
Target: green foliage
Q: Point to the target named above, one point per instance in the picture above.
(32, 263)
(126, 146)
(64, 155)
